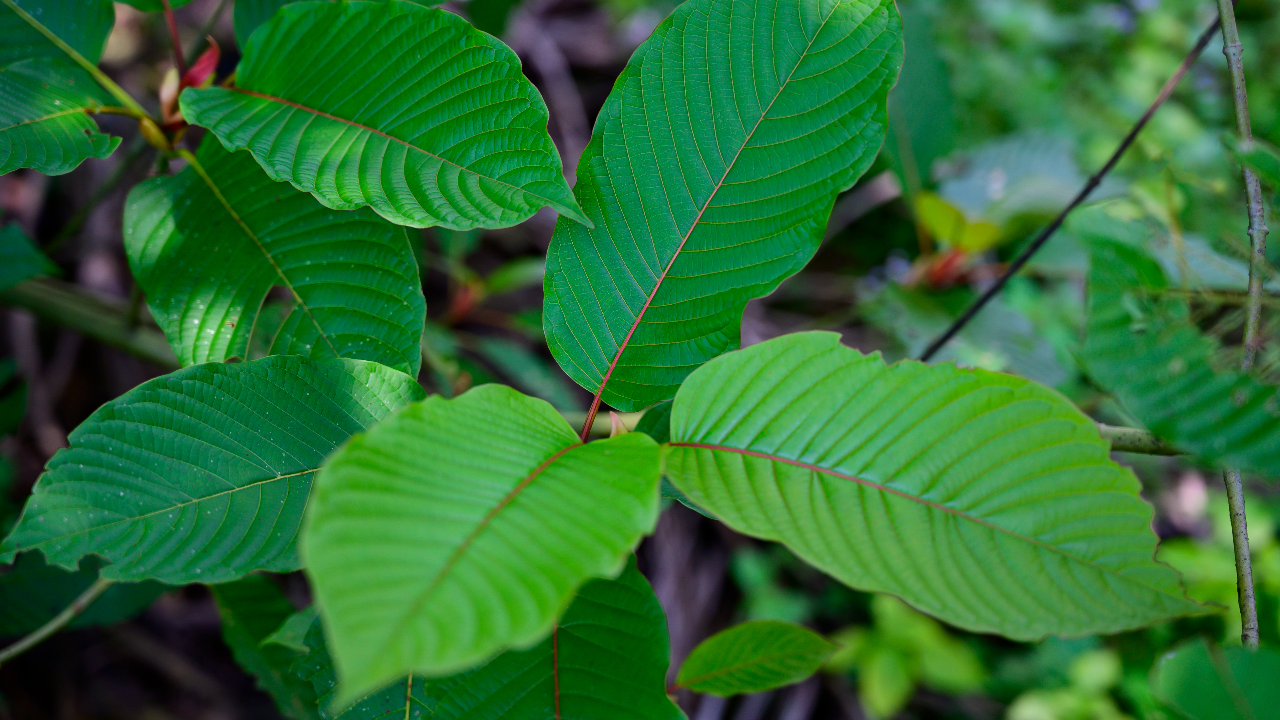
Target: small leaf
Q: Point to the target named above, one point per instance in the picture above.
(208, 244)
(202, 475)
(19, 259)
(1142, 347)
(709, 178)
(608, 659)
(1204, 682)
(754, 657)
(251, 609)
(459, 528)
(32, 592)
(985, 500)
(407, 109)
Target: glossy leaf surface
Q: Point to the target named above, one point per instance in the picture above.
(709, 178)
(459, 528)
(608, 660)
(754, 657)
(209, 243)
(983, 499)
(403, 108)
(1205, 682)
(1143, 348)
(202, 475)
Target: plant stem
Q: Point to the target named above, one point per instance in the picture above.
(1234, 51)
(59, 621)
(93, 316)
(1080, 197)
(1124, 439)
(207, 29)
(179, 59)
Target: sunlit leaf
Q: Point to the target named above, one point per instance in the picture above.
(754, 657)
(710, 175)
(985, 500)
(459, 528)
(202, 475)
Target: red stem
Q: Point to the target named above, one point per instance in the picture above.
(178, 58)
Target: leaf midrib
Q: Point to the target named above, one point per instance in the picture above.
(929, 503)
(689, 682)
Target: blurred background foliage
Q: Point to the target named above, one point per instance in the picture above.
(1002, 110)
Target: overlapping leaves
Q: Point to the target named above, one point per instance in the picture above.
(208, 244)
(403, 108)
(709, 178)
(930, 483)
(202, 475)
(462, 527)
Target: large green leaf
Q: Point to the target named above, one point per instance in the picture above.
(459, 528)
(709, 177)
(202, 475)
(209, 243)
(407, 109)
(1142, 347)
(983, 499)
(249, 15)
(754, 657)
(19, 259)
(28, 29)
(1204, 682)
(33, 592)
(608, 659)
(252, 609)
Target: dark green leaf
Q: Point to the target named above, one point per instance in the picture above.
(43, 123)
(754, 657)
(203, 474)
(1206, 682)
(25, 27)
(19, 259)
(529, 372)
(249, 15)
(33, 592)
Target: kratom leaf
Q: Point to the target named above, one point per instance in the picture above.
(754, 657)
(251, 610)
(43, 119)
(1142, 347)
(1204, 682)
(249, 15)
(459, 528)
(154, 5)
(407, 109)
(33, 592)
(608, 660)
(709, 177)
(983, 499)
(202, 475)
(28, 29)
(209, 243)
(19, 259)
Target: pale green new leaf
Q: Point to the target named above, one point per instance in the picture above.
(608, 660)
(754, 657)
(710, 176)
(407, 109)
(1142, 347)
(202, 475)
(209, 243)
(1205, 682)
(459, 528)
(983, 499)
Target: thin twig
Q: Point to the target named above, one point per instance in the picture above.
(1084, 193)
(179, 59)
(58, 622)
(1234, 51)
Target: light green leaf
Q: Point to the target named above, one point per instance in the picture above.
(28, 29)
(754, 657)
(407, 109)
(709, 177)
(608, 659)
(251, 609)
(460, 528)
(33, 592)
(1204, 682)
(983, 499)
(209, 243)
(19, 259)
(202, 475)
(1142, 347)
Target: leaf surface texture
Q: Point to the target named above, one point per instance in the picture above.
(754, 657)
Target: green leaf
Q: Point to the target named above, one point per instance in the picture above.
(202, 475)
(1204, 682)
(754, 657)
(459, 528)
(1264, 159)
(608, 659)
(32, 592)
(28, 29)
(251, 610)
(292, 633)
(154, 5)
(709, 177)
(19, 259)
(1142, 347)
(209, 243)
(249, 15)
(528, 372)
(983, 499)
(407, 109)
